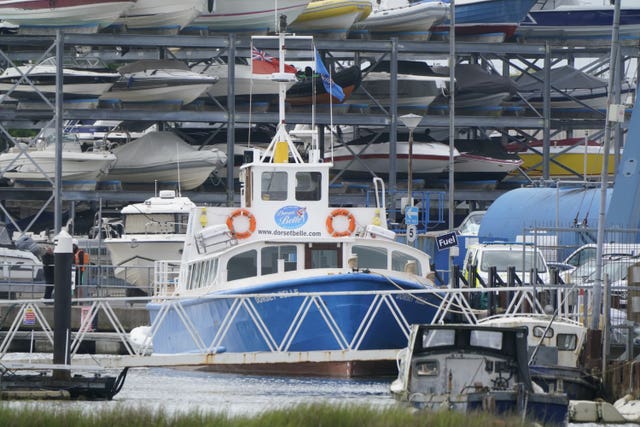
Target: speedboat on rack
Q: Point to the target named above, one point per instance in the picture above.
(34, 164)
(46, 17)
(486, 21)
(158, 82)
(159, 16)
(247, 16)
(407, 20)
(417, 87)
(287, 273)
(331, 19)
(369, 156)
(163, 158)
(579, 22)
(33, 83)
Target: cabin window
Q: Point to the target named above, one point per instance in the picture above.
(242, 265)
(274, 186)
(323, 255)
(427, 368)
(567, 342)
(538, 331)
(438, 338)
(201, 273)
(488, 339)
(150, 224)
(400, 260)
(370, 257)
(308, 186)
(270, 255)
(181, 223)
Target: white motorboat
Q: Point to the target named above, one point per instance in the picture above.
(163, 158)
(35, 81)
(572, 90)
(167, 82)
(555, 345)
(247, 16)
(34, 164)
(366, 156)
(46, 17)
(248, 84)
(409, 20)
(416, 88)
(153, 230)
(160, 16)
(19, 261)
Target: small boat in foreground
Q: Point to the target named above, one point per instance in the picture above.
(470, 368)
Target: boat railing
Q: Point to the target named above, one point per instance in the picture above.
(28, 318)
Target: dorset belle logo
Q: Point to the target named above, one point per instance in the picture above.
(291, 217)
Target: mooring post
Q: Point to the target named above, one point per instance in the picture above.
(63, 259)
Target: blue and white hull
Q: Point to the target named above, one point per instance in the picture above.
(352, 317)
(579, 24)
(485, 20)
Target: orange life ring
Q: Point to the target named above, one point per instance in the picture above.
(250, 217)
(350, 218)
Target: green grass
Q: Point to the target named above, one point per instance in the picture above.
(320, 415)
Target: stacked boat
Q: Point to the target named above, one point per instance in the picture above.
(158, 83)
(33, 164)
(408, 20)
(34, 85)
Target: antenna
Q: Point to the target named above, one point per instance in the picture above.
(178, 160)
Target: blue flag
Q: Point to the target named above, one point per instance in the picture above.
(327, 82)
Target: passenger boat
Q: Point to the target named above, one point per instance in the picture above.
(34, 164)
(577, 157)
(35, 81)
(247, 16)
(46, 17)
(168, 82)
(163, 158)
(471, 368)
(579, 21)
(159, 16)
(330, 19)
(555, 345)
(407, 20)
(276, 255)
(488, 21)
(153, 230)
